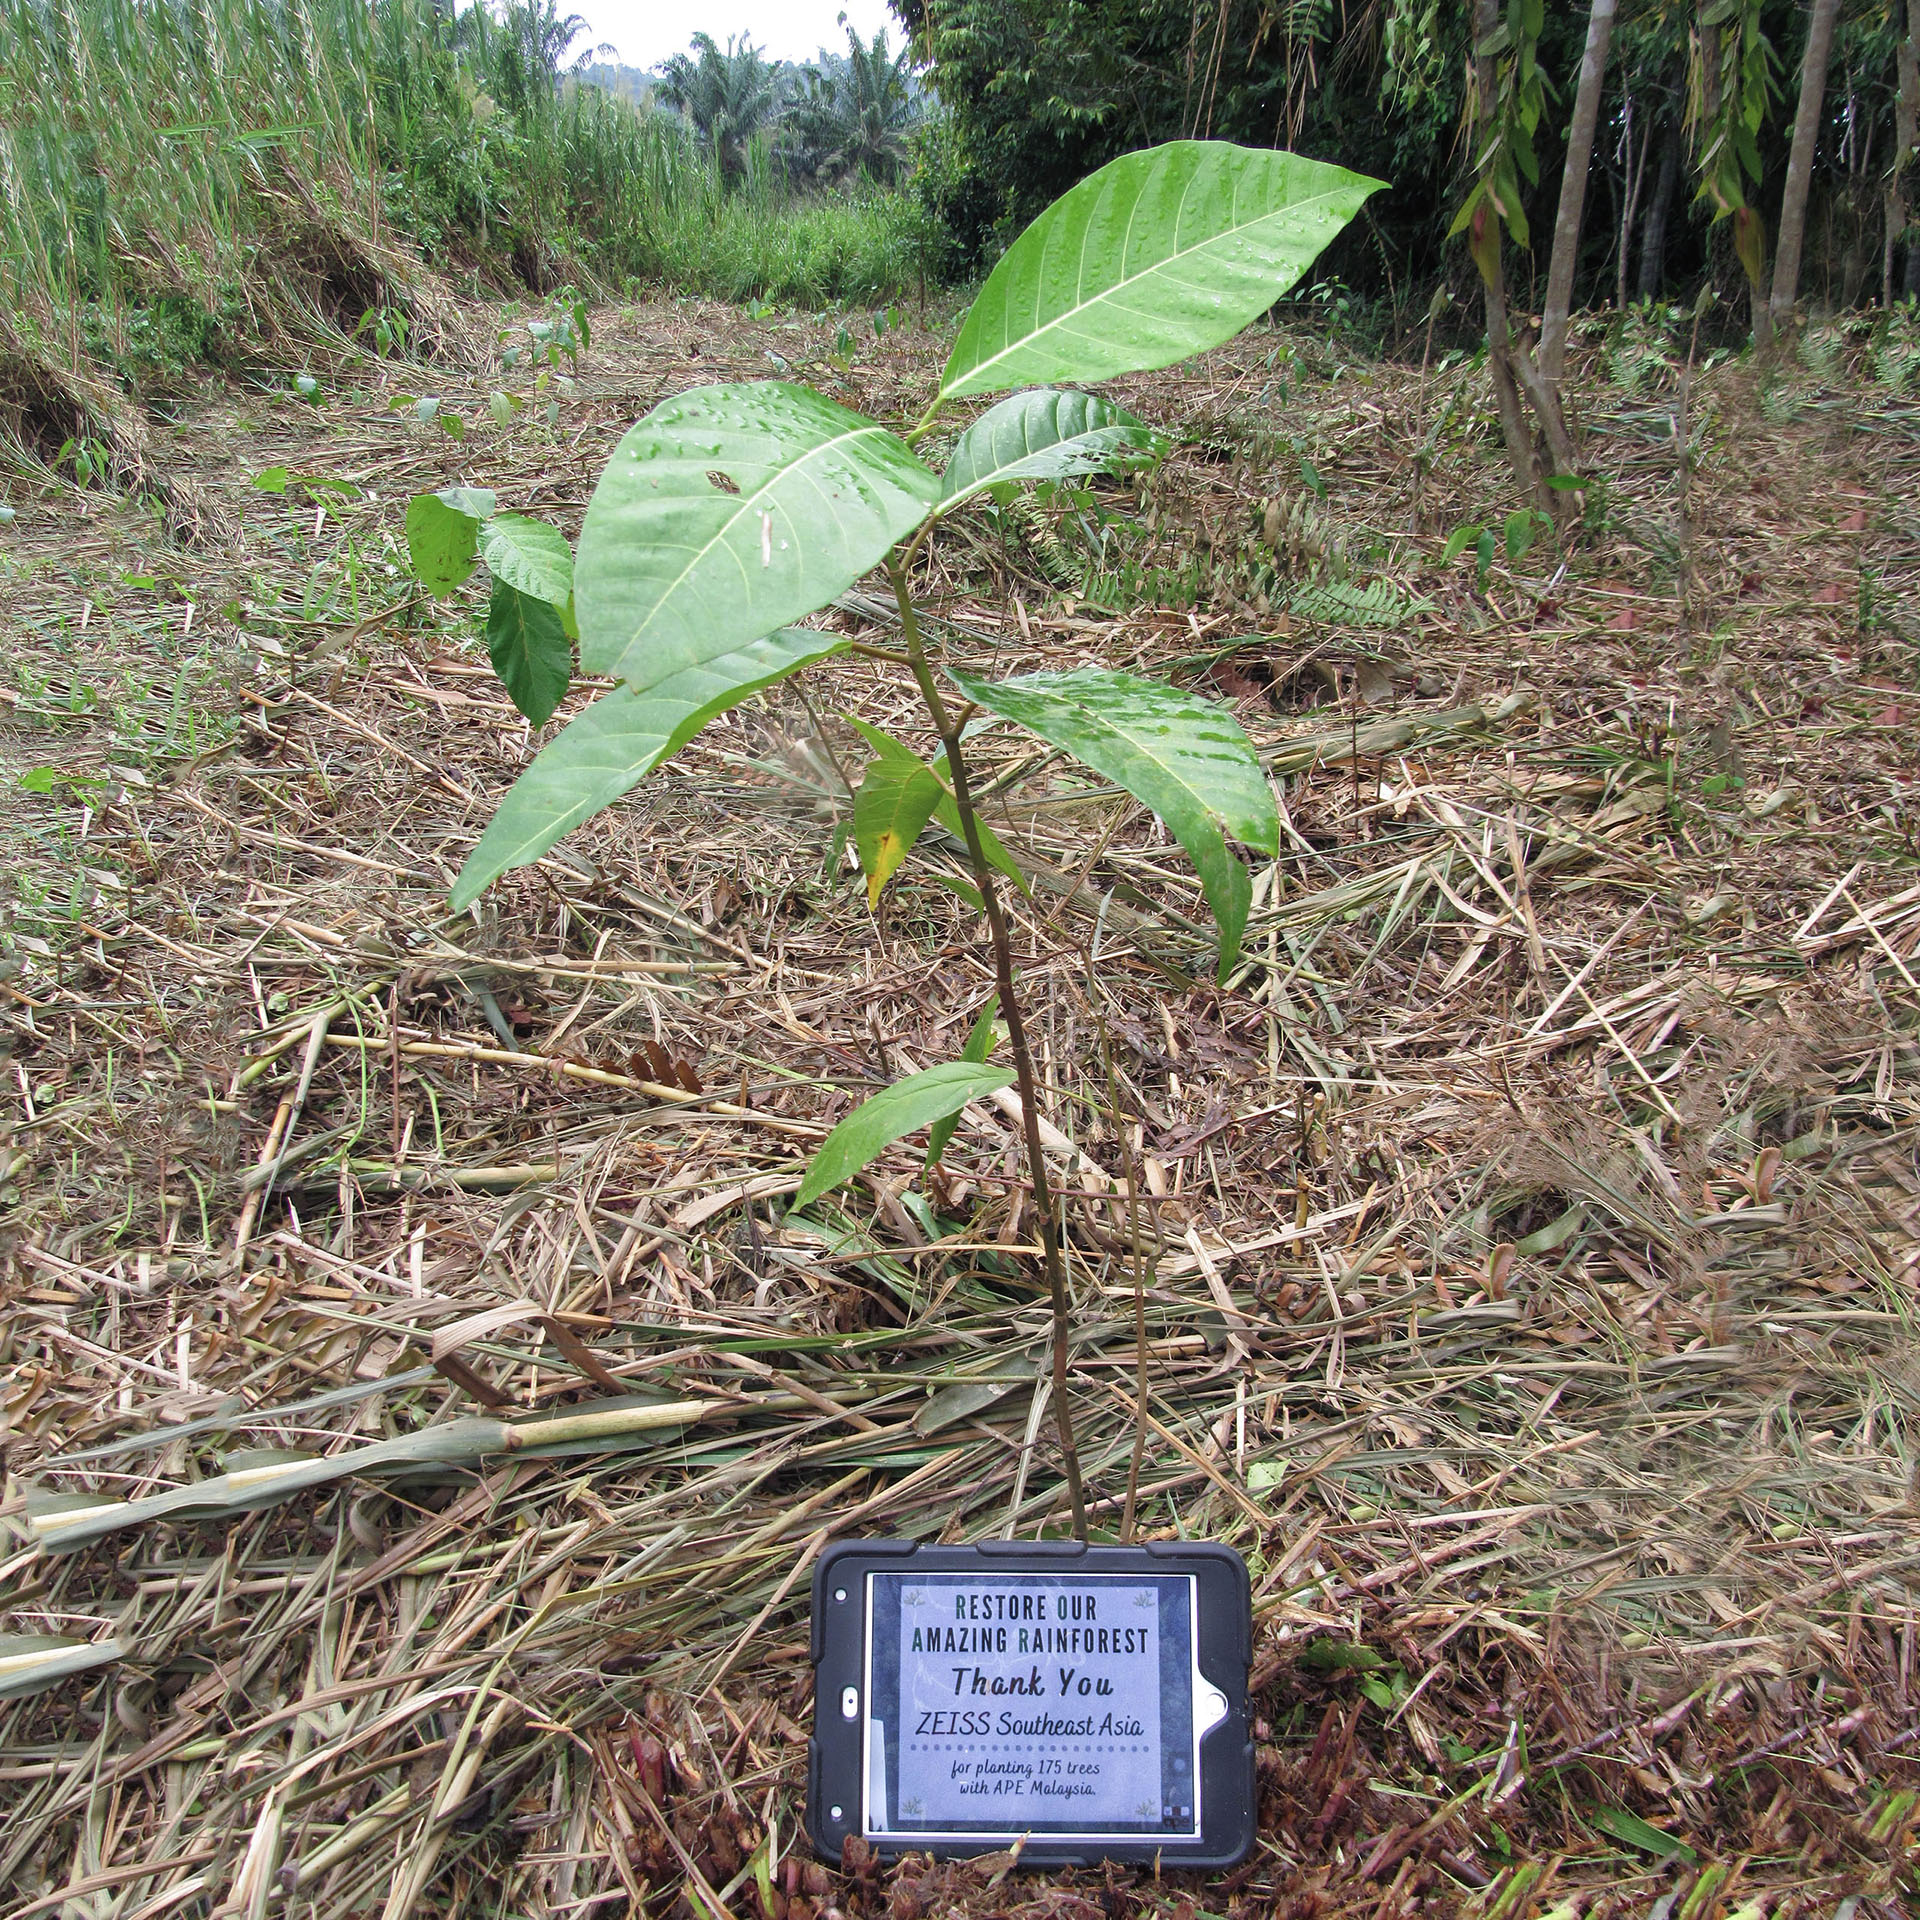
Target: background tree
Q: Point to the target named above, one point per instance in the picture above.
(1508, 96)
(1573, 190)
(1806, 129)
(1906, 150)
(1730, 87)
(728, 95)
(854, 113)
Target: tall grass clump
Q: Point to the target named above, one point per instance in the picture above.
(859, 243)
(186, 181)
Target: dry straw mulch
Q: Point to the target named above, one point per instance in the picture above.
(1526, 1235)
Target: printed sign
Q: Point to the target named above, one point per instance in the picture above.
(1047, 1703)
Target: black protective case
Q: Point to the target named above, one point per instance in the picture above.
(1224, 1612)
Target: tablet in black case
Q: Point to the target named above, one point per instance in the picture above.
(1088, 1700)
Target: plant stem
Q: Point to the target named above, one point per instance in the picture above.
(949, 731)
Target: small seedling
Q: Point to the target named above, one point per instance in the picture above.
(729, 512)
(530, 619)
(390, 328)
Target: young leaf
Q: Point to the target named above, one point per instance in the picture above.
(947, 812)
(1045, 435)
(1157, 256)
(1642, 1834)
(1520, 532)
(727, 511)
(443, 535)
(902, 1108)
(529, 650)
(529, 555)
(616, 743)
(979, 1045)
(895, 801)
(1458, 541)
(1183, 756)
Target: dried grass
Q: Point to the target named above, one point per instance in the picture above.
(1532, 1217)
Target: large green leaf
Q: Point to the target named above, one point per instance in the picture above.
(443, 533)
(1183, 756)
(902, 1108)
(1045, 435)
(528, 647)
(529, 555)
(1159, 255)
(947, 811)
(617, 742)
(895, 801)
(727, 511)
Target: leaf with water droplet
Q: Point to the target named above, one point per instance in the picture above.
(1045, 435)
(669, 569)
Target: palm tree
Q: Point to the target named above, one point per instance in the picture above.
(729, 96)
(856, 112)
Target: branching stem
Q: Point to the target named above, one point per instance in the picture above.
(948, 728)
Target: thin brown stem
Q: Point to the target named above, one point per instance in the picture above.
(1119, 1122)
(948, 727)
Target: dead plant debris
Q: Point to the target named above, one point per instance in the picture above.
(1530, 1223)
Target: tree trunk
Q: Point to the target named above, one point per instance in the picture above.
(1635, 172)
(1509, 361)
(1573, 192)
(1653, 241)
(1806, 129)
(1521, 452)
(1906, 136)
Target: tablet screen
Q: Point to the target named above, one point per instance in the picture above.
(1058, 1704)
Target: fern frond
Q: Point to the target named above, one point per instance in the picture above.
(1377, 603)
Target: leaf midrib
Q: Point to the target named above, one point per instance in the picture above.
(1119, 286)
(1215, 820)
(1000, 472)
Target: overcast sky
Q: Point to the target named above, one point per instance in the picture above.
(646, 31)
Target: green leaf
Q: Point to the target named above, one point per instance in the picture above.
(1379, 1691)
(677, 566)
(271, 480)
(948, 810)
(979, 1045)
(528, 647)
(902, 1108)
(529, 555)
(1637, 1833)
(443, 535)
(1520, 532)
(1159, 255)
(616, 743)
(1458, 541)
(895, 801)
(1185, 757)
(1311, 480)
(1045, 435)
(1322, 1655)
(1556, 1233)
